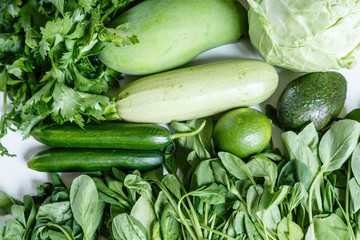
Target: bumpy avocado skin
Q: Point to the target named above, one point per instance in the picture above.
(318, 97)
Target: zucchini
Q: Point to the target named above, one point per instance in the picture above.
(196, 92)
(172, 32)
(86, 159)
(108, 135)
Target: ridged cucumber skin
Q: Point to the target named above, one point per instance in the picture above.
(104, 135)
(85, 159)
(172, 32)
(196, 92)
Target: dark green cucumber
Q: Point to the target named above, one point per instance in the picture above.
(104, 135)
(139, 136)
(85, 159)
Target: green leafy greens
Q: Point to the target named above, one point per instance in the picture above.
(48, 64)
(309, 193)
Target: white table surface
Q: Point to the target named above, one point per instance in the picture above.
(17, 180)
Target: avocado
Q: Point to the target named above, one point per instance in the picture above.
(318, 97)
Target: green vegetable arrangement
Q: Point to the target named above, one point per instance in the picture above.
(51, 72)
(309, 193)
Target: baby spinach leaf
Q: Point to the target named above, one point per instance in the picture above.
(338, 143)
(296, 149)
(156, 232)
(125, 227)
(354, 115)
(330, 227)
(355, 163)
(310, 233)
(236, 166)
(298, 195)
(139, 185)
(5, 203)
(13, 230)
(160, 203)
(213, 194)
(293, 172)
(310, 137)
(354, 188)
(288, 230)
(57, 212)
(85, 205)
(169, 226)
(172, 183)
(253, 198)
(328, 197)
(251, 229)
(204, 174)
(261, 166)
(279, 196)
(144, 212)
(270, 217)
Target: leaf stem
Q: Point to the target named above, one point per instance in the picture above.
(218, 233)
(195, 221)
(61, 229)
(2, 120)
(346, 217)
(177, 208)
(311, 190)
(188, 134)
(206, 216)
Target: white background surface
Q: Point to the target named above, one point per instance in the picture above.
(17, 180)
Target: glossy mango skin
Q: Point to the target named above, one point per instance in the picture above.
(173, 32)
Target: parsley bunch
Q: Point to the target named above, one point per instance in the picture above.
(48, 61)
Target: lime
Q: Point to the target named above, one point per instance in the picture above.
(242, 132)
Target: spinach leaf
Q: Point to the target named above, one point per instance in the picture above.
(330, 227)
(288, 230)
(5, 203)
(204, 174)
(125, 227)
(138, 185)
(328, 197)
(144, 212)
(354, 188)
(85, 205)
(261, 166)
(294, 172)
(169, 226)
(297, 149)
(172, 183)
(57, 212)
(213, 194)
(355, 163)
(338, 143)
(236, 166)
(298, 195)
(354, 115)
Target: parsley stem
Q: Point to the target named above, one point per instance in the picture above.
(2, 121)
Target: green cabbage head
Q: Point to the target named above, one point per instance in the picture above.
(306, 35)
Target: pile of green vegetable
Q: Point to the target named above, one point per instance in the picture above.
(309, 193)
(60, 61)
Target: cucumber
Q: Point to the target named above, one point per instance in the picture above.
(196, 92)
(108, 135)
(86, 159)
(172, 32)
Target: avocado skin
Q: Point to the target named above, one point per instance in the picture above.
(318, 97)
